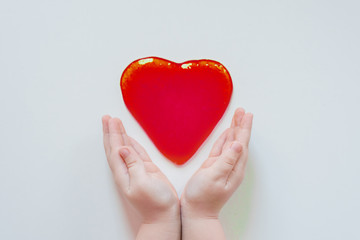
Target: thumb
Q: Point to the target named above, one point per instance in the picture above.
(228, 159)
(133, 162)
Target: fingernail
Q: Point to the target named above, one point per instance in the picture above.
(235, 146)
(124, 152)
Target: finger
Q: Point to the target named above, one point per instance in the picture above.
(237, 174)
(236, 120)
(139, 149)
(150, 167)
(105, 123)
(219, 143)
(238, 115)
(243, 136)
(134, 164)
(208, 162)
(115, 132)
(229, 139)
(226, 162)
(115, 139)
(125, 137)
(120, 171)
(129, 141)
(233, 122)
(115, 162)
(243, 132)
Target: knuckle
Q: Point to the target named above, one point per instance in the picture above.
(229, 161)
(131, 163)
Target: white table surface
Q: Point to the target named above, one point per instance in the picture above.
(294, 64)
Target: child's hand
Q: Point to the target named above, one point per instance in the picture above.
(221, 174)
(138, 179)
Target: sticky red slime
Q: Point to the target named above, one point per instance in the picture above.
(177, 104)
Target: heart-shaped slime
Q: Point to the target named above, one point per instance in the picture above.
(177, 104)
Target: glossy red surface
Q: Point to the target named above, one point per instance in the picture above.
(177, 104)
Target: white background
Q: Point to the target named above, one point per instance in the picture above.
(294, 64)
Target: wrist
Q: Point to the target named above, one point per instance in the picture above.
(191, 212)
(199, 227)
(161, 226)
(160, 230)
(169, 216)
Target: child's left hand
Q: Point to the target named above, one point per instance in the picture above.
(138, 179)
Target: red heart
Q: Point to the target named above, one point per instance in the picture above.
(177, 104)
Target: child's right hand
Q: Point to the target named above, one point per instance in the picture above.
(221, 174)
